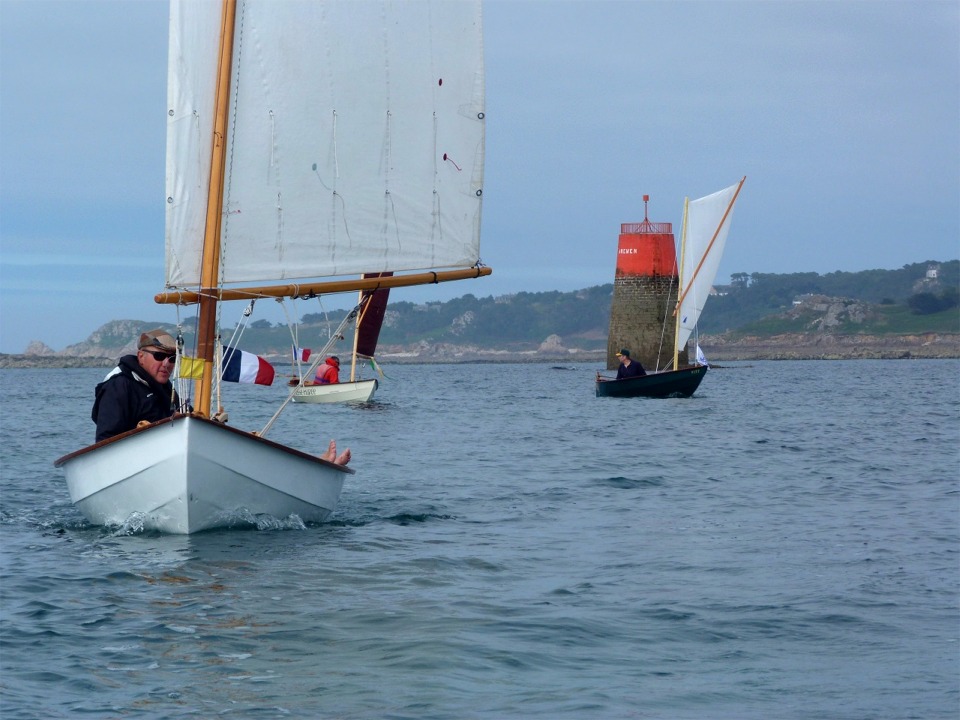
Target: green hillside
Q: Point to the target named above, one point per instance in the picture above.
(756, 297)
(757, 304)
(916, 299)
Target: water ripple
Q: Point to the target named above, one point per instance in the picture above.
(765, 550)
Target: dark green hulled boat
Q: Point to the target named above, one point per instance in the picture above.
(666, 384)
(706, 223)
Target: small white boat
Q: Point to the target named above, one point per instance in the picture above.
(307, 143)
(359, 391)
(366, 334)
(224, 474)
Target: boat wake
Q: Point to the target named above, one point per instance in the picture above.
(137, 523)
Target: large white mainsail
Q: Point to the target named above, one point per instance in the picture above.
(354, 145)
(707, 224)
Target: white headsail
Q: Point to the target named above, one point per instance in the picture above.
(355, 140)
(707, 226)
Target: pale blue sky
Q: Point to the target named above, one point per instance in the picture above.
(843, 116)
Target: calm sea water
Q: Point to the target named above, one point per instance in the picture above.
(786, 544)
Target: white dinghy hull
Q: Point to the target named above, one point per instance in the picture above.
(187, 474)
(359, 391)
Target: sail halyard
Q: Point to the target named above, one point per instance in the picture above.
(210, 262)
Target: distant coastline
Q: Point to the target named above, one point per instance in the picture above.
(881, 314)
(809, 346)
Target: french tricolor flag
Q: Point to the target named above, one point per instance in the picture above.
(243, 367)
(301, 354)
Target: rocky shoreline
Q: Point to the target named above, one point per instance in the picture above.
(825, 346)
(54, 362)
(716, 348)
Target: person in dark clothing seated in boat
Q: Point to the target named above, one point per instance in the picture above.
(139, 388)
(329, 372)
(628, 368)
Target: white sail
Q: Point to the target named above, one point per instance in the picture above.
(707, 226)
(355, 140)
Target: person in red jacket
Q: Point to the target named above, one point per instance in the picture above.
(329, 373)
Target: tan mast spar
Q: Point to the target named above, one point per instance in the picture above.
(683, 243)
(188, 297)
(356, 340)
(210, 267)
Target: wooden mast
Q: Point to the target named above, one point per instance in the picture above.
(356, 335)
(683, 244)
(210, 267)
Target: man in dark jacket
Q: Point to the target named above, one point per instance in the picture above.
(628, 368)
(139, 388)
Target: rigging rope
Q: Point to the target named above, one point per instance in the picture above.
(233, 344)
(663, 333)
(184, 382)
(294, 331)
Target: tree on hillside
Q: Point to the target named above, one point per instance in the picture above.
(926, 303)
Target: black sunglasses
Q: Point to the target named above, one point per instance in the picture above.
(160, 356)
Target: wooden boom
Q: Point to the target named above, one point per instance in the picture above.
(187, 297)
